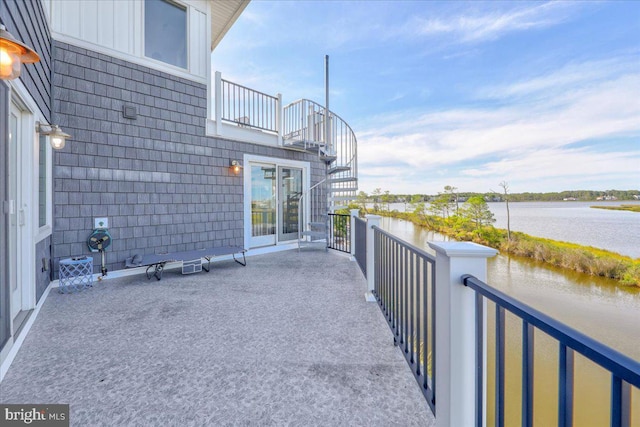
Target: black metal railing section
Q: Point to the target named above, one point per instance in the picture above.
(248, 108)
(360, 237)
(625, 372)
(405, 289)
(339, 232)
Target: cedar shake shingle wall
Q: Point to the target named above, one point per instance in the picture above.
(25, 19)
(162, 183)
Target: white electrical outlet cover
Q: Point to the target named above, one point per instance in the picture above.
(101, 223)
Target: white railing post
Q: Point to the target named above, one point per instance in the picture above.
(354, 214)
(279, 117)
(218, 101)
(372, 221)
(455, 330)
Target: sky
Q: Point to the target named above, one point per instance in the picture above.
(542, 95)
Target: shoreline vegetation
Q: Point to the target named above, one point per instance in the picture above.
(629, 208)
(473, 223)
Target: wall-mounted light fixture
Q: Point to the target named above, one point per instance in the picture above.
(235, 166)
(56, 136)
(13, 54)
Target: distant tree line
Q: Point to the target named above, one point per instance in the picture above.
(385, 198)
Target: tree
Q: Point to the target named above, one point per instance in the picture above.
(361, 199)
(387, 198)
(451, 191)
(505, 188)
(440, 205)
(376, 198)
(476, 210)
(417, 204)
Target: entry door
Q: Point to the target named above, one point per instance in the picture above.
(290, 186)
(263, 204)
(12, 197)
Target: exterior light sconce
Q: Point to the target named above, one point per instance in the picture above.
(57, 137)
(13, 54)
(235, 166)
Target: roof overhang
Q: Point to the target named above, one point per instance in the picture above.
(224, 15)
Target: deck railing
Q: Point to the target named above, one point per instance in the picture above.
(440, 303)
(624, 371)
(339, 232)
(405, 291)
(248, 107)
(360, 243)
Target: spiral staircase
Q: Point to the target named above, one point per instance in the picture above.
(305, 129)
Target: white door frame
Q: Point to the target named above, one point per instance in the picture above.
(250, 158)
(25, 202)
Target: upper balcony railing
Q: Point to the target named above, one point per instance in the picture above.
(259, 117)
(248, 107)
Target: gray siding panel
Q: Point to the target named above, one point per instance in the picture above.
(25, 19)
(162, 183)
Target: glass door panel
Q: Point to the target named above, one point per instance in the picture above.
(263, 205)
(12, 196)
(290, 185)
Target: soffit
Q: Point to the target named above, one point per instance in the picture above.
(224, 14)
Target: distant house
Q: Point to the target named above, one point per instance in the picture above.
(154, 133)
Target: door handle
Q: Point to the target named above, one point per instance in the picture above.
(21, 217)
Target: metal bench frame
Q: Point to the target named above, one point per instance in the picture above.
(157, 262)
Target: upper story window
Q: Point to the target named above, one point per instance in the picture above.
(165, 32)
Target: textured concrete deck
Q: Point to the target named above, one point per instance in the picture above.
(287, 340)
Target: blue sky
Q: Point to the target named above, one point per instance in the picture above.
(543, 95)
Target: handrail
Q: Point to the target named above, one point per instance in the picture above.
(314, 193)
(404, 287)
(625, 372)
(610, 359)
(248, 107)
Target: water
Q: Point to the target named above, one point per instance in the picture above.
(576, 222)
(593, 305)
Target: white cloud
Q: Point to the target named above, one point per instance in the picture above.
(470, 27)
(527, 139)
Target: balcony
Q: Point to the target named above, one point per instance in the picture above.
(286, 340)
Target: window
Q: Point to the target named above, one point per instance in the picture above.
(165, 32)
(42, 181)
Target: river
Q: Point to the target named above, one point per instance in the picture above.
(592, 305)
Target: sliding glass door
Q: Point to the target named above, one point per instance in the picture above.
(290, 185)
(275, 203)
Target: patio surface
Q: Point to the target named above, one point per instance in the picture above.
(287, 340)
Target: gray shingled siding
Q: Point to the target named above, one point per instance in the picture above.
(162, 183)
(26, 20)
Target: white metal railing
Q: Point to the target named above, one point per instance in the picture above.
(304, 126)
(248, 107)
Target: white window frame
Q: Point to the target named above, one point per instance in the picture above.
(185, 7)
(42, 232)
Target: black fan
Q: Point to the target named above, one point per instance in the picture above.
(98, 241)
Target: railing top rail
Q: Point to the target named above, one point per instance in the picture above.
(301, 100)
(338, 214)
(248, 88)
(415, 249)
(617, 363)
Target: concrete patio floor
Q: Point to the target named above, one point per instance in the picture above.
(287, 340)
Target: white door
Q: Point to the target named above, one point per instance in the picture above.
(289, 209)
(12, 196)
